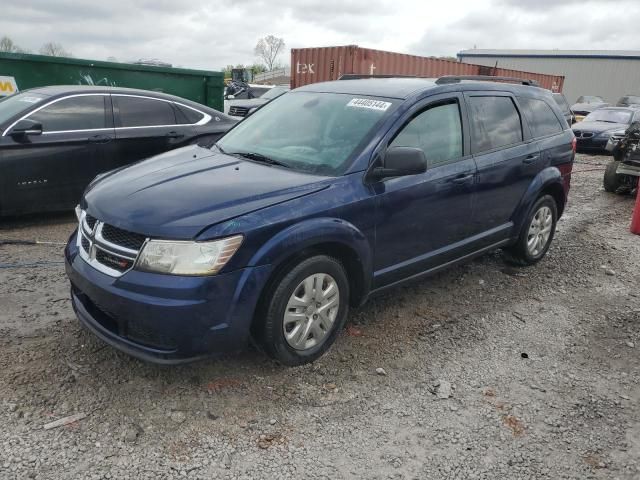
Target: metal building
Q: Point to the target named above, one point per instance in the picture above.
(607, 73)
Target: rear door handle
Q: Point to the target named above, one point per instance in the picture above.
(530, 159)
(174, 135)
(100, 139)
(462, 178)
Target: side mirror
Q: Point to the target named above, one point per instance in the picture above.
(401, 161)
(26, 127)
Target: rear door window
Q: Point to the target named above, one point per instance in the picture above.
(495, 123)
(85, 112)
(187, 115)
(541, 118)
(437, 131)
(143, 112)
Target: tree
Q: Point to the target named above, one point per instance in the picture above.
(268, 49)
(54, 49)
(8, 45)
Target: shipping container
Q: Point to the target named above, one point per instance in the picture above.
(28, 71)
(311, 65)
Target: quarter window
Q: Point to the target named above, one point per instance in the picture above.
(187, 115)
(541, 118)
(75, 113)
(495, 123)
(143, 112)
(437, 131)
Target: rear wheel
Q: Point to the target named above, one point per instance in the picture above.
(305, 310)
(536, 235)
(612, 181)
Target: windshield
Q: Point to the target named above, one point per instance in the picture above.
(275, 92)
(590, 99)
(611, 116)
(14, 104)
(630, 100)
(308, 131)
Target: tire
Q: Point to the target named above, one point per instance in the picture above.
(522, 253)
(276, 334)
(612, 181)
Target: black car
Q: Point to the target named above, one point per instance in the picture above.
(242, 108)
(594, 131)
(587, 104)
(629, 101)
(54, 140)
(562, 102)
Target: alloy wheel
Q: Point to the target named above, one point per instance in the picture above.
(311, 311)
(539, 231)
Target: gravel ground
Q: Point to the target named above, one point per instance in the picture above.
(484, 371)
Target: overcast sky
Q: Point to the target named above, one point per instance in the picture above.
(210, 34)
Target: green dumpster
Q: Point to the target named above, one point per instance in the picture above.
(28, 71)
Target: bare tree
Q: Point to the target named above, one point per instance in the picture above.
(268, 49)
(54, 49)
(8, 45)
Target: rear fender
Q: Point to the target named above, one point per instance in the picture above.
(549, 179)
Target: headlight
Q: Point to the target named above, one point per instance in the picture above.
(187, 258)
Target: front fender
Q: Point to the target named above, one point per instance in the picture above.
(315, 232)
(549, 178)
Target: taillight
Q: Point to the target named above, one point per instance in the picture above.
(574, 144)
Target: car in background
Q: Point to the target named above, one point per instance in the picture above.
(322, 198)
(55, 140)
(587, 104)
(632, 101)
(562, 102)
(242, 108)
(593, 133)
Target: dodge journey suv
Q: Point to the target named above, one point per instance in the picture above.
(322, 198)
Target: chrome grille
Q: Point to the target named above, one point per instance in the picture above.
(238, 111)
(91, 221)
(106, 248)
(118, 236)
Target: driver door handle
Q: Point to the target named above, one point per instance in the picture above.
(100, 139)
(174, 134)
(530, 159)
(462, 178)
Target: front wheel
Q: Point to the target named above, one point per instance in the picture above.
(612, 180)
(537, 233)
(306, 309)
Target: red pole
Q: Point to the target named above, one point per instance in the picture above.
(635, 217)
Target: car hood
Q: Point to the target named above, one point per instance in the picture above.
(178, 194)
(598, 127)
(587, 107)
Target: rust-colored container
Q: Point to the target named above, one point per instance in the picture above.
(311, 65)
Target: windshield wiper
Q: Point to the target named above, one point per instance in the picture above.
(258, 157)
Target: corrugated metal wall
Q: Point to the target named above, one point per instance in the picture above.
(610, 78)
(311, 65)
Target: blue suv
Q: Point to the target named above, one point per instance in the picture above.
(329, 194)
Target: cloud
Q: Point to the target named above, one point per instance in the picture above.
(514, 24)
(210, 34)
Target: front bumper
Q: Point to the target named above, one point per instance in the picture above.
(165, 318)
(592, 144)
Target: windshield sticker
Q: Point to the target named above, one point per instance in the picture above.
(30, 99)
(367, 103)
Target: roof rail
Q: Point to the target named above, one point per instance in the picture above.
(358, 76)
(485, 78)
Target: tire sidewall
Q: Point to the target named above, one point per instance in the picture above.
(544, 201)
(611, 181)
(273, 337)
